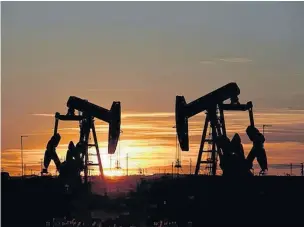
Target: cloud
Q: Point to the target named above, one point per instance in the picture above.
(43, 115)
(227, 60)
(126, 115)
(160, 114)
(116, 90)
(149, 138)
(235, 60)
(24, 150)
(208, 62)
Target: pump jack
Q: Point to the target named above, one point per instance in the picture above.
(87, 112)
(213, 104)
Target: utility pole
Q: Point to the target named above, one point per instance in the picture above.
(22, 173)
(127, 164)
(190, 165)
(41, 166)
(290, 169)
(118, 153)
(264, 128)
(302, 169)
(110, 163)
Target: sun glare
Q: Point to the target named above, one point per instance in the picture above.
(114, 173)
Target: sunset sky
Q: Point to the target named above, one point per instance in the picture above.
(143, 55)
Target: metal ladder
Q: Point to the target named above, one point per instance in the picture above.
(212, 152)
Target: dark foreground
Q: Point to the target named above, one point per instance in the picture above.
(217, 201)
(188, 201)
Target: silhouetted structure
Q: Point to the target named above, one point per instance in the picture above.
(77, 159)
(257, 150)
(231, 155)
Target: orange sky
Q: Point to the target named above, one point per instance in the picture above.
(144, 54)
(150, 141)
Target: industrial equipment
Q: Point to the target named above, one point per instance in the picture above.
(78, 157)
(213, 104)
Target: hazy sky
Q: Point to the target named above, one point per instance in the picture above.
(144, 54)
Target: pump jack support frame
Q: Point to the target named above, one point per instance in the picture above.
(218, 128)
(90, 122)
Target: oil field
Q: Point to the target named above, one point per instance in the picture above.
(152, 114)
(231, 196)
